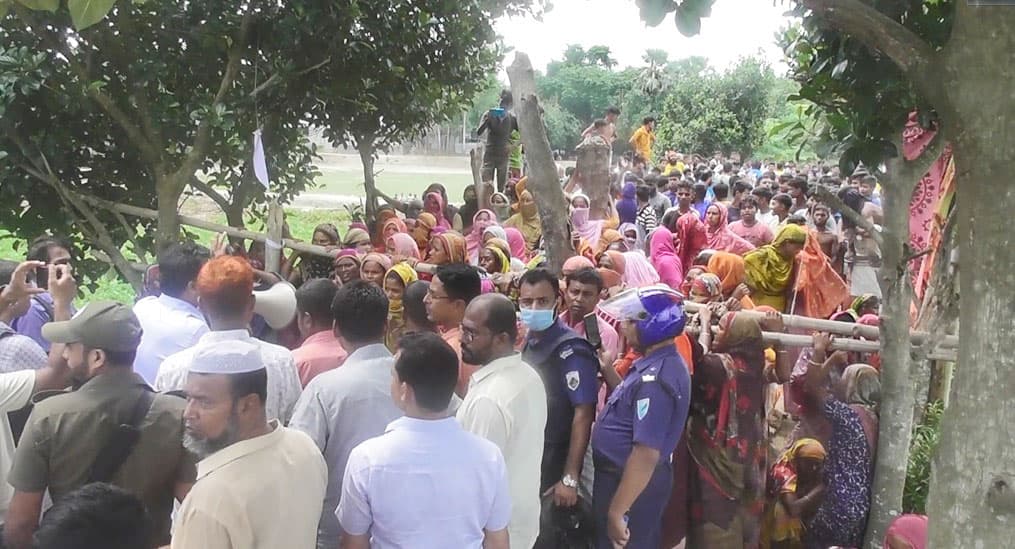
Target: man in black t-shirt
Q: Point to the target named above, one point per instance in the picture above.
(498, 124)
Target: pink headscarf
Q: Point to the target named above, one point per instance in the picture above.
(403, 245)
(721, 237)
(474, 240)
(380, 259)
(588, 229)
(638, 271)
(911, 528)
(517, 243)
(437, 212)
(664, 258)
(576, 263)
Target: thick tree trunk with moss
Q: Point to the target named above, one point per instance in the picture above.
(593, 169)
(168, 191)
(542, 175)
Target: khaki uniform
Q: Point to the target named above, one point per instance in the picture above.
(66, 432)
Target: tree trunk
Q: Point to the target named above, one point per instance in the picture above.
(593, 169)
(895, 424)
(972, 489)
(365, 146)
(542, 169)
(168, 191)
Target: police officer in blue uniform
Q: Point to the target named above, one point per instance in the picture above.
(568, 365)
(639, 428)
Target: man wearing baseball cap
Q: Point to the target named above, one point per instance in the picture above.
(111, 428)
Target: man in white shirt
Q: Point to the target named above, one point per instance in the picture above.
(341, 408)
(506, 404)
(259, 484)
(225, 286)
(425, 483)
(171, 322)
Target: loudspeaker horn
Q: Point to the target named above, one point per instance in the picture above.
(276, 304)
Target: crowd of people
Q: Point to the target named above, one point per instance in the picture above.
(431, 382)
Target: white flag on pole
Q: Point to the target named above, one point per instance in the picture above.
(260, 165)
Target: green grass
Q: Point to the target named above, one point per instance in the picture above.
(110, 286)
(393, 183)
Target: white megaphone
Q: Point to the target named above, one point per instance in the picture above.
(276, 304)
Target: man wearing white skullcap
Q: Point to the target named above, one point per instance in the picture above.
(259, 484)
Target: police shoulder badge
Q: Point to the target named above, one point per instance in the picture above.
(573, 380)
(642, 408)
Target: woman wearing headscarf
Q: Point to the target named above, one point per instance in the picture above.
(706, 288)
(627, 206)
(448, 211)
(907, 532)
(690, 238)
(402, 247)
(527, 221)
(795, 489)
(390, 227)
(861, 306)
(495, 231)
(820, 289)
(769, 269)
(373, 268)
(638, 271)
(433, 204)
(613, 260)
(725, 433)
(493, 260)
(346, 267)
(423, 231)
(851, 411)
(630, 233)
(664, 258)
(576, 263)
(474, 239)
(501, 205)
(463, 219)
(590, 230)
(358, 239)
(311, 266)
(730, 270)
(396, 281)
(720, 237)
(517, 243)
(446, 248)
(383, 215)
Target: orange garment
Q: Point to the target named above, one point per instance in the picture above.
(821, 289)
(730, 270)
(685, 348)
(318, 354)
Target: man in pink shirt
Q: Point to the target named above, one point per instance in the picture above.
(749, 227)
(451, 290)
(320, 350)
(582, 293)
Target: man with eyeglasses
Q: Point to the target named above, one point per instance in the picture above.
(451, 290)
(505, 404)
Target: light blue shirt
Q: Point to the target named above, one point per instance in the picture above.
(425, 484)
(169, 325)
(339, 409)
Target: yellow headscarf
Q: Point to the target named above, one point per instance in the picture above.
(527, 221)
(396, 321)
(505, 263)
(768, 272)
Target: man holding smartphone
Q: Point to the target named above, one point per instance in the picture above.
(582, 293)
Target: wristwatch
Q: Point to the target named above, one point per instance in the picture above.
(569, 481)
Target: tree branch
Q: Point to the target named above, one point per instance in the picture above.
(276, 78)
(910, 172)
(917, 59)
(210, 192)
(202, 139)
(149, 152)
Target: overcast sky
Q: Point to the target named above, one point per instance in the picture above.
(735, 29)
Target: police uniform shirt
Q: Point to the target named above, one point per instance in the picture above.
(569, 372)
(648, 408)
(66, 432)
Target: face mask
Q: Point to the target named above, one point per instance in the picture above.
(537, 320)
(580, 217)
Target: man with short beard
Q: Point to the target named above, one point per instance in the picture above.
(259, 485)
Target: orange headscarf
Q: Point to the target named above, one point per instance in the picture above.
(729, 268)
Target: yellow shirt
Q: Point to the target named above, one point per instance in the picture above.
(677, 168)
(642, 141)
(262, 493)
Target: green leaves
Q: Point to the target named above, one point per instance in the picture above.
(85, 13)
(41, 5)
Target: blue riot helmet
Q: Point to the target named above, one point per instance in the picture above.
(657, 311)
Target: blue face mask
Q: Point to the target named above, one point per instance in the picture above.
(537, 320)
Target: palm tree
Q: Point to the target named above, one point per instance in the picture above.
(652, 78)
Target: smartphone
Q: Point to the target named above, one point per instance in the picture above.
(592, 330)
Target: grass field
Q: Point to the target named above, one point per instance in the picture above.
(393, 183)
